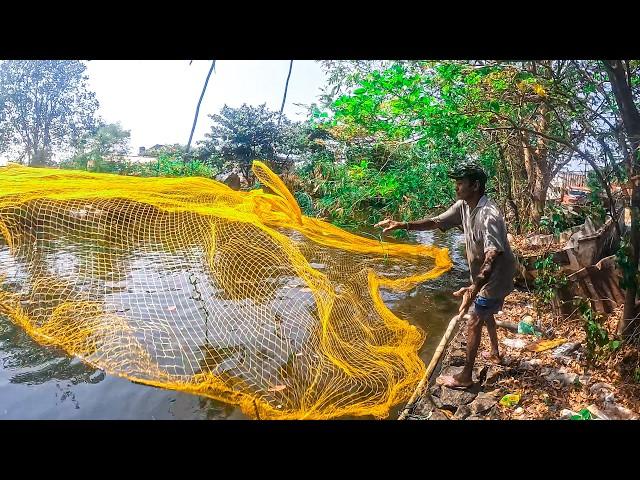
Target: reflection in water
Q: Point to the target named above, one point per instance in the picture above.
(148, 281)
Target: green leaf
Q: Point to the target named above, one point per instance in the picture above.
(614, 345)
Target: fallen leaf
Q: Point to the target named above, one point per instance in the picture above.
(510, 399)
(446, 413)
(542, 345)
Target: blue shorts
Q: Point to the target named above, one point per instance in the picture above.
(485, 307)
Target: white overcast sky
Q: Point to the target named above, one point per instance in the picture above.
(156, 99)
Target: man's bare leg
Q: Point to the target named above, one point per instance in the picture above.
(494, 356)
(463, 379)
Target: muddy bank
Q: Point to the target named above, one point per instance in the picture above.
(555, 382)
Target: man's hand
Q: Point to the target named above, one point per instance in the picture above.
(468, 296)
(389, 225)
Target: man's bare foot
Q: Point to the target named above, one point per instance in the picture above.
(453, 381)
(492, 357)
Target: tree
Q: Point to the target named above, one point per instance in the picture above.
(106, 142)
(44, 105)
(242, 135)
(621, 81)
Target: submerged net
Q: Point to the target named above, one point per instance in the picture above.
(184, 283)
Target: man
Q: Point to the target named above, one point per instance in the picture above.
(491, 261)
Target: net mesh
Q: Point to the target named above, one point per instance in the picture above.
(186, 284)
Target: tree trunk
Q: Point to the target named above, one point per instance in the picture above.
(539, 199)
(39, 158)
(631, 120)
(527, 155)
(542, 168)
(535, 163)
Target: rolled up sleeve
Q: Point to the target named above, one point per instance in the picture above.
(451, 218)
(494, 234)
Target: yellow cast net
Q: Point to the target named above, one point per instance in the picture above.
(185, 284)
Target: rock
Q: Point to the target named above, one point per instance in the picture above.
(518, 411)
(436, 414)
(598, 388)
(451, 398)
(483, 402)
(450, 370)
(474, 417)
(462, 412)
(564, 379)
(457, 357)
(233, 181)
(493, 374)
(435, 390)
(479, 373)
(532, 364)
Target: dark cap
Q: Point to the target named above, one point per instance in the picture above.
(468, 169)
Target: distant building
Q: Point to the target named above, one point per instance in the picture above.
(564, 181)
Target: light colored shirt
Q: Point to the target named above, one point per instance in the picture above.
(484, 229)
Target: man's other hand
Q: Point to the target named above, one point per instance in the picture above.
(389, 225)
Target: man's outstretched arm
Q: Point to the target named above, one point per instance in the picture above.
(424, 224)
(449, 219)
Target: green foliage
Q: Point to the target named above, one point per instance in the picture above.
(102, 149)
(548, 280)
(389, 145)
(170, 163)
(599, 344)
(175, 166)
(624, 261)
(348, 193)
(557, 219)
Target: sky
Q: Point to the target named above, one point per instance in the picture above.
(156, 99)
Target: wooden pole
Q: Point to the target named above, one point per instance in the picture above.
(432, 365)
